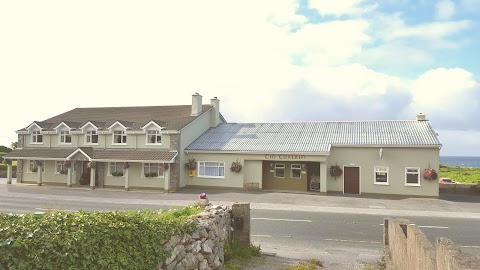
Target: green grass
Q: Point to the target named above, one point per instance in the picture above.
(460, 174)
(309, 265)
(236, 256)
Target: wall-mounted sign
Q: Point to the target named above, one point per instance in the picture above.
(285, 157)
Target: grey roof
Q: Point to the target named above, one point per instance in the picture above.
(96, 154)
(314, 137)
(172, 117)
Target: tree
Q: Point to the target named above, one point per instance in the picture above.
(14, 145)
(5, 149)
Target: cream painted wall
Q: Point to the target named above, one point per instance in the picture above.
(253, 161)
(188, 134)
(396, 159)
(137, 178)
(49, 175)
(253, 172)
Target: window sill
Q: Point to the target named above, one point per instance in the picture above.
(158, 177)
(118, 144)
(382, 184)
(214, 177)
(36, 143)
(61, 143)
(413, 185)
(153, 144)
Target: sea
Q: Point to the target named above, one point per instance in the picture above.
(467, 162)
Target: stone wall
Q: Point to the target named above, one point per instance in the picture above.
(470, 189)
(20, 162)
(204, 248)
(407, 247)
(175, 167)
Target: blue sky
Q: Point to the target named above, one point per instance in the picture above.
(290, 60)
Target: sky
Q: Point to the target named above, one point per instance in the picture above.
(267, 61)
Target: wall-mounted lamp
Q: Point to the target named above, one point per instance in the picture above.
(271, 164)
(303, 165)
(380, 153)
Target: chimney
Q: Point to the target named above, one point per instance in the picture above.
(215, 112)
(196, 104)
(421, 117)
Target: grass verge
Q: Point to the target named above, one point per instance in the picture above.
(236, 255)
(312, 264)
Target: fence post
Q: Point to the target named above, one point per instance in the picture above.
(241, 223)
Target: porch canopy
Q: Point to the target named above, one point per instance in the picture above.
(91, 154)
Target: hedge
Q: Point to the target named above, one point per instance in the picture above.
(90, 240)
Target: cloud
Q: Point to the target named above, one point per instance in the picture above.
(340, 8)
(449, 97)
(445, 9)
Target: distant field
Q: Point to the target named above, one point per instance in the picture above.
(460, 174)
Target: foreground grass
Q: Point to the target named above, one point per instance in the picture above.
(460, 174)
(309, 265)
(236, 256)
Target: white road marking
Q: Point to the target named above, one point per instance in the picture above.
(353, 241)
(262, 235)
(283, 219)
(433, 227)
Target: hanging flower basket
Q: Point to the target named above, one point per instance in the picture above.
(7, 161)
(164, 166)
(191, 164)
(236, 166)
(91, 165)
(38, 163)
(125, 165)
(67, 163)
(335, 170)
(430, 174)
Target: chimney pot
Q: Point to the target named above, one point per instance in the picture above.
(421, 117)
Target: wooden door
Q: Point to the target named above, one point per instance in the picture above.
(351, 180)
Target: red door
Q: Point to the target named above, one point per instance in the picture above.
(351, 180)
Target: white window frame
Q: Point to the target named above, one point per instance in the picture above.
(31, 164)
(160, 171)
(117, 164)
(62, 137)
(35, 135)
(90, 134)
(202, 164)
(156, 136)
(380, 169)
(62, 167)
(407, 173)
(279, 166)
(123, 137)
(299, 168)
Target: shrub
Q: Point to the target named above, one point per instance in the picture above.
(237, 255)
(90, 240)
(151, 174)
(117, 173)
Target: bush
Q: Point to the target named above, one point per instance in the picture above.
(90, 240)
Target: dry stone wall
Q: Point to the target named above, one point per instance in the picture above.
(204, 248)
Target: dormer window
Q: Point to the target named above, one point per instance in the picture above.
(65, 137)
(37, 137)
(154, 137)
(91, 137)
(119, 137)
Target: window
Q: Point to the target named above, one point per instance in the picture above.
(60, 168)
(211, 169)
(91, 137)
(33, 167)
(119, 137)
(37, 137)
(295, 171)
(154, 137)
(65, 137)
(412, 176)
(115, 167)
(381, 175)
(152, 170)
(279, 171)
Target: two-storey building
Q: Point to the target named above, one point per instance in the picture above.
(113, 147)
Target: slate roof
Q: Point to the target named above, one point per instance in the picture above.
(313, 137)
(131, 155)
(172, 117)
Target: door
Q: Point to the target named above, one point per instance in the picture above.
(351, 180)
